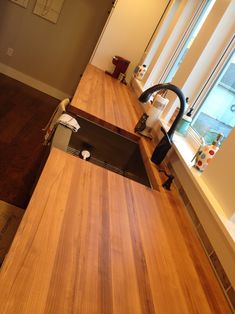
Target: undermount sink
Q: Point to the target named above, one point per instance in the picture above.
(109, 150)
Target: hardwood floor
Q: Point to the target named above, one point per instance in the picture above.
(24, 111)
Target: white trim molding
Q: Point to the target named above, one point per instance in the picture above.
(180, 24)
(32, 82)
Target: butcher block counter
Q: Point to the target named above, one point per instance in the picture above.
(107, 99)
(92, 241)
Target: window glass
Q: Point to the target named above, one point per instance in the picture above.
(217, 113)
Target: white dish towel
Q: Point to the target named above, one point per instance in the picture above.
(68, 121)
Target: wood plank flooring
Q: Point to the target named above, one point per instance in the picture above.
(10, 218)
(24, 111)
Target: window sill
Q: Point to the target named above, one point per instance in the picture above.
(186, 152)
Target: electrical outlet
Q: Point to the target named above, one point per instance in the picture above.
(10, 51)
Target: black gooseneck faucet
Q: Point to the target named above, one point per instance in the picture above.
(165, 144)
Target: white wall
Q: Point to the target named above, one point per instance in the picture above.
(128, 32)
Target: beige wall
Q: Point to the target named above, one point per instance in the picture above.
(128, 32)
(55, 54)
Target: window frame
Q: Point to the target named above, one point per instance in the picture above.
(152, 76)
(223, 59)
(178, 51)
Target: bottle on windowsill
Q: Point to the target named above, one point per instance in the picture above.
(185, 122)
(140, 71)
(206, 153)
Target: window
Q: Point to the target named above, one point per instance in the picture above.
(217, 113)
(179, 59)
(179, 21)
(161, 31)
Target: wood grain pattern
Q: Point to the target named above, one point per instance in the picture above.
(92, 241)
(24, 111)
(107, 99)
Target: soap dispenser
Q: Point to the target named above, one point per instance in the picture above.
(206, 153)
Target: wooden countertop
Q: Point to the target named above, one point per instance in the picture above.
(107, 99)
(92, 241)
(103, 99)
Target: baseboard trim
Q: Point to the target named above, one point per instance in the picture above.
(32, 82)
